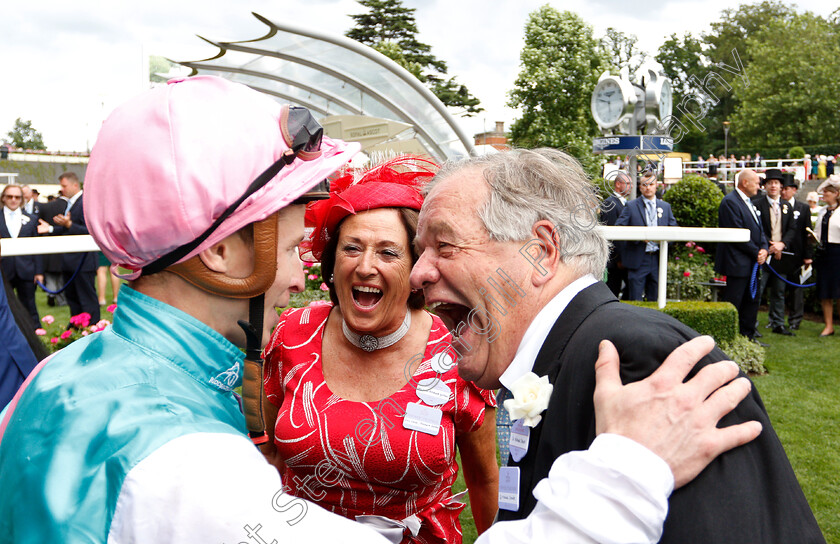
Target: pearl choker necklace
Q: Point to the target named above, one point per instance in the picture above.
(369, 343)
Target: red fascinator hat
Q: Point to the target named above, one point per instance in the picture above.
(395, 183)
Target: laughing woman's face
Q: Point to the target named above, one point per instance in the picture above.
(372, 267)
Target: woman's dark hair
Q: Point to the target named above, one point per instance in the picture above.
(408, 217)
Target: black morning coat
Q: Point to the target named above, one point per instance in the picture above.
(747, 495)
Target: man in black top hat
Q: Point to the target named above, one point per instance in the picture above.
(776, 218)
(801, 249)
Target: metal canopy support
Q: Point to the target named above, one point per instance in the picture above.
(333, 62)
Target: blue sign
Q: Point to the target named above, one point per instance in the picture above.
(632, 145)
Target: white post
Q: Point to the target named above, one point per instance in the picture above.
(663, 273)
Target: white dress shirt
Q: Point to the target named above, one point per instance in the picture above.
(615, 492)
(14, 220)
(537, 332)
(72, 201)
(748, 202)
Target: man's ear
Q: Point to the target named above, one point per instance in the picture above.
(546, 240)
(230, 256)
(216, 257)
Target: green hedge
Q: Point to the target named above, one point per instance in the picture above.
(717, 319)
(720, 321)
(695, 201)
(782, 152)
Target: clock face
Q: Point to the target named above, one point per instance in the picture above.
(666, 100)
(608, 103)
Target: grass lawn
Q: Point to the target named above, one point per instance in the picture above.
(801, 394)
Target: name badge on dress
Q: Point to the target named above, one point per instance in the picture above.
(520, 435)
(509, 488)
(422, 418)
(433, 391)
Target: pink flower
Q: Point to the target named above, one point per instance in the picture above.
(690, 255)
(48, 319)
(700, 249)
(40, 332)
(312, 277)
(689, 244)
(324, 287)
(103, 323)
(66, 334)
(82, 320)
(85, 333)
(676, 258)
(687, 273)
(112, 308)
(307, 263)
(54, 340)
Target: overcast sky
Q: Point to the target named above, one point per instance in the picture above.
(66, 65)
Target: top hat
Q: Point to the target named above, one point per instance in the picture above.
(773, 173)
(789, 180)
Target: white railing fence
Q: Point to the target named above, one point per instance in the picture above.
(10, 247)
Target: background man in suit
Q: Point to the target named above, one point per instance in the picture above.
(55, 206)
(549, 320)
(22, 271)
(800, 247)
(736, 261)
(611, 209)
(642, 258)
(81, 291)
(776, 218)
(30, 200)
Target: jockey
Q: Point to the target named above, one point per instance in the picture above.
(134, 434)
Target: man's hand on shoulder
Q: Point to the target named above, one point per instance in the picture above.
(676, 420)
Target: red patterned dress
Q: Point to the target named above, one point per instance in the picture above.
(356, 458)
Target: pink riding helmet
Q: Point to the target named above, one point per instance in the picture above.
(169, 162)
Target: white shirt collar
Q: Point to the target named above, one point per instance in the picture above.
(621, 198)
(771, 201)
(537, 332)
(10, 212)
(73, 199)
(744, 196)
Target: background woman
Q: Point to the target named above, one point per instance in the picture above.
(827, 262)
(365, 403)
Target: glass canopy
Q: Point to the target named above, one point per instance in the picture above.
(334, 75)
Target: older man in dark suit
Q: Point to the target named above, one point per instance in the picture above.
(24, 270)
(611, 209)
(642, 258)
(81, 288)
(739, 261)
(525, 217)
(776, 218)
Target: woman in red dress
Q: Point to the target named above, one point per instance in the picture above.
(365, 402)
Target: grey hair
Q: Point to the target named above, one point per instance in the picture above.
(527, 186)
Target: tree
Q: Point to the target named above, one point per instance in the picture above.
(390, 28)
(561, 63)
(622, 50)
(23, 136)
(784, 104)
(731, 32)
(683, 59)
